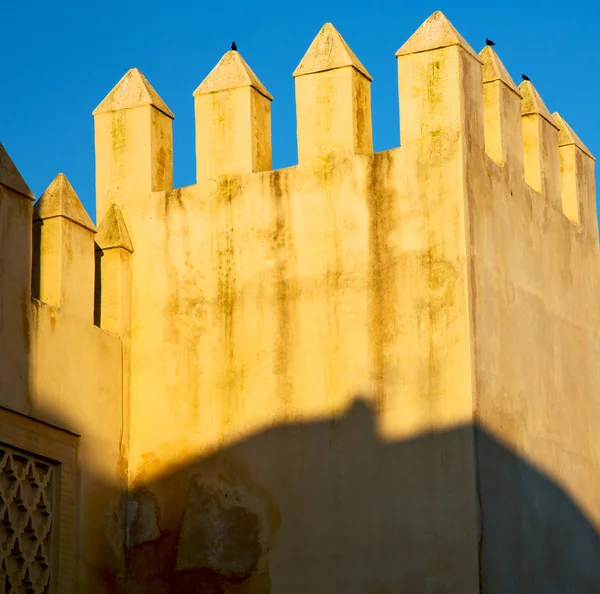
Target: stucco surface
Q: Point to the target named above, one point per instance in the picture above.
(368, 372)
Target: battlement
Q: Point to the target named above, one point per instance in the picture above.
(456, 106)
(233, 120)
(67, 258)
(451, 282)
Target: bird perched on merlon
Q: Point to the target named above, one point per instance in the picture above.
(489, 41)
(234, 47)
(525, 77)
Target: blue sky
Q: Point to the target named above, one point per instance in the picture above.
(61, 58)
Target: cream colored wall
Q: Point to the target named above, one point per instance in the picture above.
(91, 407)
(276, 299)
(282, 296)
(537, 329)
(57, 367)
(16, 201)
(363, 372)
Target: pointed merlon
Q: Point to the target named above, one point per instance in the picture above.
(112, 231)
(10, 176)
(231, 72)
(493, 69)
(435, 33)
(133, 90)
(60, 200)
(532, 103)
(328, 51)
(566, 136)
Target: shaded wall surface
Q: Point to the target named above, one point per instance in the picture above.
(61, 389)
(536, 335)
(329, 506)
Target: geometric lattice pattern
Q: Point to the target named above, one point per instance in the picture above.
(26, 519)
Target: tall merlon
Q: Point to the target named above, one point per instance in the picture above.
(134, 144)
(502, 113)
(233, 121)
(439, 79)
(578, 185)
(540, 141)
(333, 100)
(16, 203)
(10, 178)
(113, 273)
(63, 266)
(442, 136)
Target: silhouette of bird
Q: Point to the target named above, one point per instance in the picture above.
(525, 77)
(234, 47)
(489, 41)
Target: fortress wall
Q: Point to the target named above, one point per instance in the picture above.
(61, 370)
(266, 299)
(347, 375)
(535, 263)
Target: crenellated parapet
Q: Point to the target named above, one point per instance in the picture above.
(453, 103)
(77, 268)
(460, 112)
(450, 282)
(470, 140)
(578, 187)
(333, 107)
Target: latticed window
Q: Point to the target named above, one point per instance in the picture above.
(27, 513)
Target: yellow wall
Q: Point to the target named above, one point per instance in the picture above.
(536, 331)
(58, 368)
(364, 373)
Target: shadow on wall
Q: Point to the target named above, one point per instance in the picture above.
(328, 507)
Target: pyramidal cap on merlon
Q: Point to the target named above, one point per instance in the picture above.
(566, 135)
(113, 232)
(60, 200)
(133, 90)
(532, 103)
(10, 176)
(329, 51)
(231, 72)
(493, 69)
(435, 33)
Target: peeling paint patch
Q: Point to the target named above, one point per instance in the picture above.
(218, 532)
(142, 519)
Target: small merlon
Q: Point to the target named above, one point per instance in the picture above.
(133, 90)
(231, 72)
(60, 200)
(329, 51)
(10, 176)
(566, 136)
(532, 103)
(493, 69)
(435, 33)
(112, 231)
